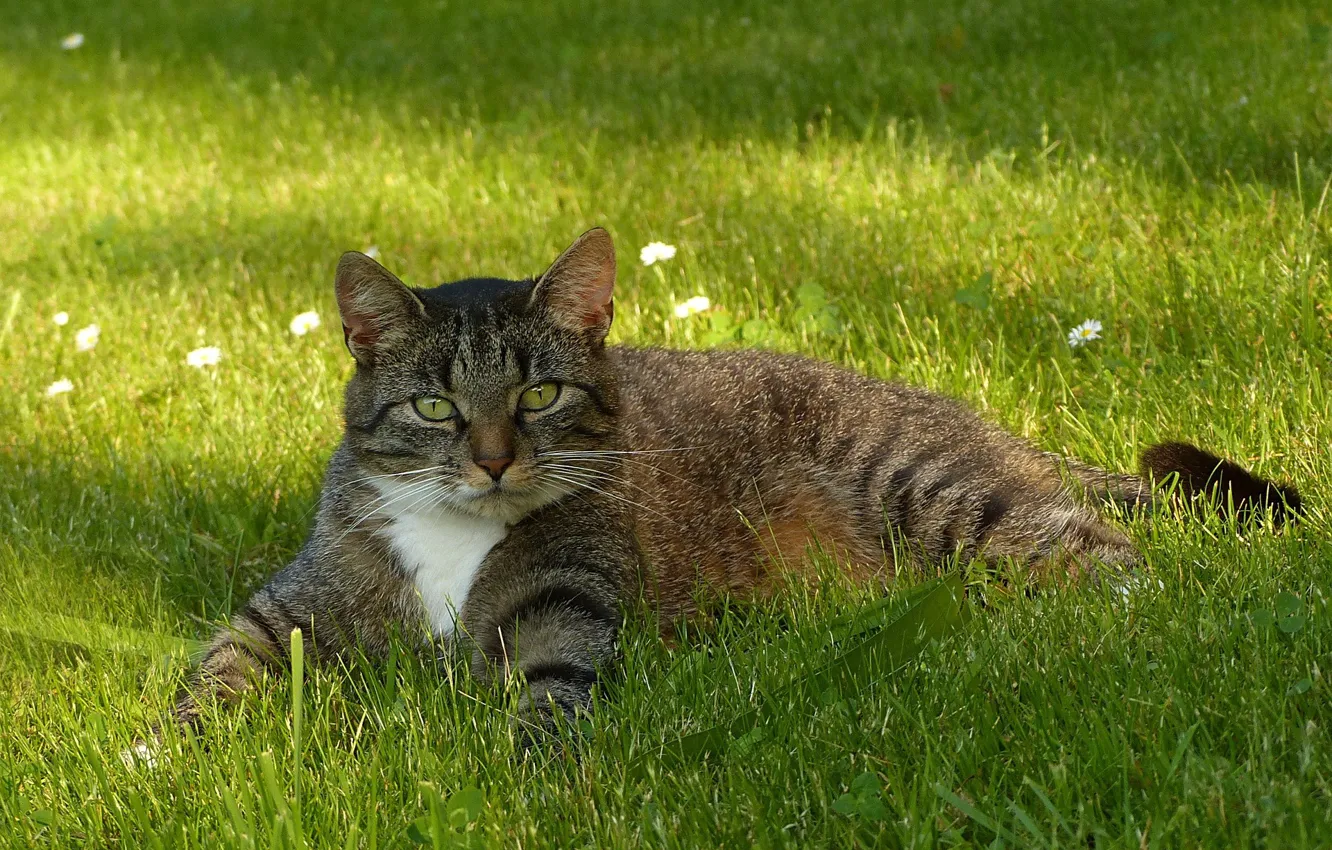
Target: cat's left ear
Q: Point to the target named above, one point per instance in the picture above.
(577, 289)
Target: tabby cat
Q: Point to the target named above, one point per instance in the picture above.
(509, 480)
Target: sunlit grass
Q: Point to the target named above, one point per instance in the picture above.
(188, 177)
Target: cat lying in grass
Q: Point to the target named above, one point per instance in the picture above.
(508, 479)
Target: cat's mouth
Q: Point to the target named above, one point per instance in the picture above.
(504, 499)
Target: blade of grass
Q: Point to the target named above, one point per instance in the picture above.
(100, 637)
(902, 627)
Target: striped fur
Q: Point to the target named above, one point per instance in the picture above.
(654, 472)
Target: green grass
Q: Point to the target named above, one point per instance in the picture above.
(190, 176)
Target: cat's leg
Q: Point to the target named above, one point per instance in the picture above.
(546, 607)
(1062, 540)
(257, 641)
(345, 597)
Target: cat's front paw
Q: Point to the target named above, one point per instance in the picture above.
(144, 753)
(540, 722)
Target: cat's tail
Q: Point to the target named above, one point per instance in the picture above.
(1190, 474)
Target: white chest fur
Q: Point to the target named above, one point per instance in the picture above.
(441, 550)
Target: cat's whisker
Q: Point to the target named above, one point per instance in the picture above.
(384, 475)
(588, 474)
(378, 476)
(383, 500)
(591, 484)
(572, 452)
(388, 500)
(592, 457)
(436, 499)
(426, 498)
(603, 475)
(430, 498)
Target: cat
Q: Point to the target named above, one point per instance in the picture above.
(508, 480)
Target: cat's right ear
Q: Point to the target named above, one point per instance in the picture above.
(377, 309)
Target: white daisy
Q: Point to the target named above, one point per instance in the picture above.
(64, 385)
(655, 251)
(372, 252)
(1084, 333)
(206, 356)
(304, 323)
(73, 41)
(61, 319)
(86, 339)
(697, 304)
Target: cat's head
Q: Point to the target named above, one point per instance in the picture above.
(485, 395)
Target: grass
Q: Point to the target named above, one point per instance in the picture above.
(964, 180)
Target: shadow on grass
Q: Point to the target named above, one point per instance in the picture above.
(162, 540)
(1186, 89)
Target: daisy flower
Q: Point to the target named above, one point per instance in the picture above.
(73, 41)
(61, 319)
(64, 385)
(1084, 333)
(697, 304)
(655, 251)
(305, 322)
(372, 252)
(206, 356)
(86, 339)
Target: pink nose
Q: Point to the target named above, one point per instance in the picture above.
(494, 465)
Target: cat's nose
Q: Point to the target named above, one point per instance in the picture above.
(494, 465)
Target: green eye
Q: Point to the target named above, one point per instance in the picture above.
(434, 409)
(539, 397)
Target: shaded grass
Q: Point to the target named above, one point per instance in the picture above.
(190, 176)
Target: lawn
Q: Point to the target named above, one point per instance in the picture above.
(934, 192)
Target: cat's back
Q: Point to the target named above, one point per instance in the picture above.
(765, 396)
(737, 460)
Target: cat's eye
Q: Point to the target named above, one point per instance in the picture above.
(539, 397)
(432, 408)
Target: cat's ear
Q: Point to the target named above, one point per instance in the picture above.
(377, 309)
(578, 287)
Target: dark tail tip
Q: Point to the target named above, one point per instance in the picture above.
(1222, 482)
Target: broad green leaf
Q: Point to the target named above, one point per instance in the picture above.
(1291, 625)
(827, 321)
(866, 783)
(811, 296)
(465, 805)
(755, 330)
(419, 831)
(976, 296)
(873, 809)
(1302, 686)
(847, 805)
(1288, 604)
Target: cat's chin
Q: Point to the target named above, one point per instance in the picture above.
(508, 506)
